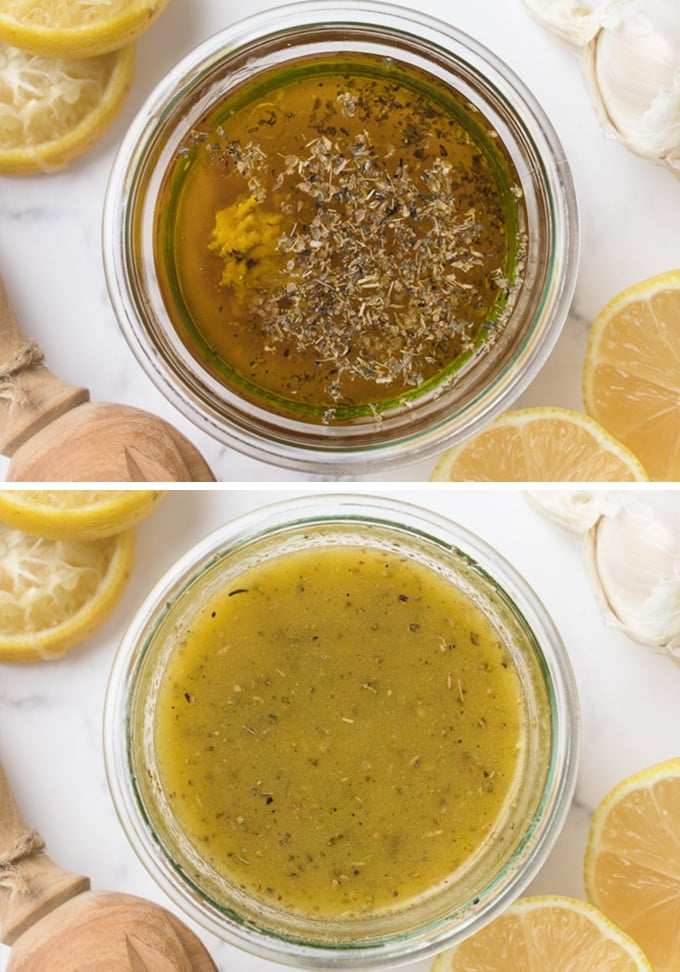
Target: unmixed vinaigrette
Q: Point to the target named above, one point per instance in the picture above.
(339, 237)
(339, 730)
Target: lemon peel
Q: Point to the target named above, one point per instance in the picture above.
(245, 236)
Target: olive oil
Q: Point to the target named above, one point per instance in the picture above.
(339, 730)
(339, 237)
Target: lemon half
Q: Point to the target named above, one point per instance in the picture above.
(52, 110)
(632, 865)
(631, 374)
(540, 445)
(546, 933)
(76, 514)
(55, 593)
(75, 28)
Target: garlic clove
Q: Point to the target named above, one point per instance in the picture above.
(634, 561)
(577, 510)
(574, 21)
(632, 67)
(631, 63)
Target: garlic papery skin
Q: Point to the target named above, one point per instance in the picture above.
(577, 510)
(574, 21)
(632, 67)
(634, 562)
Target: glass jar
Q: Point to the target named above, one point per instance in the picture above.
(534, 807)
(435, 410)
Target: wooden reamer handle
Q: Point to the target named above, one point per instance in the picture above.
(31, 885)
(30, 395)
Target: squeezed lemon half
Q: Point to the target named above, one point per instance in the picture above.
(75, 28)
(55, 593)
(76, 514)
(53, 109)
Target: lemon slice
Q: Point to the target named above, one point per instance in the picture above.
(75, 28)
(550, 934)
(52, 110)
(540, 445)
(631, 374)
(632, 866)
(76, 514)
(55, 593)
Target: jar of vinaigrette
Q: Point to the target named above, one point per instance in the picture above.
(342, 732)
(340, 237)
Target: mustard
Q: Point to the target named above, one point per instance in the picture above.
(245, 236)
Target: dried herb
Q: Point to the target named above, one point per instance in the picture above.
(367, 238)
(377, 282)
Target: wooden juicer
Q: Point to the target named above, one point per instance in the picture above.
(55, 923)
(54, 433)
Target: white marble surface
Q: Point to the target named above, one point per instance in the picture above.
(50, 713)
(49, 225)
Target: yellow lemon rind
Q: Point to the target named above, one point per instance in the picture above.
(126, 509)
(53, 643)
(89, 40)
(54, 155)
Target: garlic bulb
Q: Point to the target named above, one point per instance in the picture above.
(634, 560)
(631, 61)
(576, 509)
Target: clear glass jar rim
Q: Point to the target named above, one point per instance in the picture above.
(405, 518)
